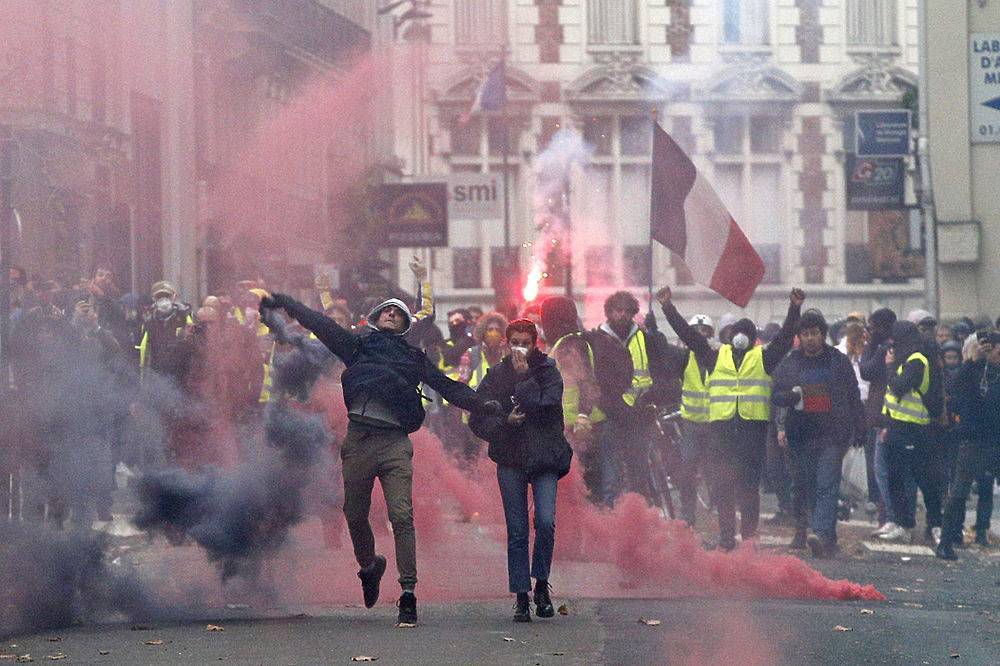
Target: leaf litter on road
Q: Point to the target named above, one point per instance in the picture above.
(56, 657)
(156, 641)
(867, 611)
(563, 610)
(841, 627)
(363, 657)
(650, 622)
(214, 627)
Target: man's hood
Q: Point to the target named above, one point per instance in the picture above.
(373, 315)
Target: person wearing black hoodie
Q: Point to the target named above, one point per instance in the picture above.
(913, 401)
(976, 392)
(527, 443)
(597, 372)
(739, 413)
(816, 386)
(384, 405)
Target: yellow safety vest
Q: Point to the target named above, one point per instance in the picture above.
(641, 379)
(694, 393)
(267, 384)
(479, 372)
(571, 394)
(143, 346)
(450, 370)
(910, 408)
(746, 391)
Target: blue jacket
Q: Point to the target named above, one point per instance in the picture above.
(381, 365)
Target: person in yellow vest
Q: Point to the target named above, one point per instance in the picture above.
(597, 372)
(696, 432)
(164, 338)
(739, 395)
(623, 454)
(913, 401)
(475, 363)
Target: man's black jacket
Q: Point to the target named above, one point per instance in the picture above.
(848, 413)
(380, 365)
(537, 445)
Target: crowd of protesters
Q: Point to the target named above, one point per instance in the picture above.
(774, 405)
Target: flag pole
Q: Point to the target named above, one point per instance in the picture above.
(506, 158)
(649, 212)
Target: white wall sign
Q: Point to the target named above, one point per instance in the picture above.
(474, 196)
(984, 87)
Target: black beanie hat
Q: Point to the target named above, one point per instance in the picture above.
(747, 328)
(558, 314)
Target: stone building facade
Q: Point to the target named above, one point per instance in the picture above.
(127, 115)
(762, 95)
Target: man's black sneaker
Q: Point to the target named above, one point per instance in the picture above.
(543, 603)
(946, 551)
(799, 541)
(821, 548)
(407, 608)
(370, 579)
(983, 538)
(522, 608)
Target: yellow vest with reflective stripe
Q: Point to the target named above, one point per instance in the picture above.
(746, 391)
(571, 393)
(694, 393)
(641, 380)
(910, 408)
(268, 383)
(479, 372)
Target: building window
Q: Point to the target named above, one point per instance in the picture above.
(635, 265)
(466, 267)
(599, 266)
(598, 132)
(749, 179)
(480, 22)
(871, 22)
(612, 22)
(746, 23)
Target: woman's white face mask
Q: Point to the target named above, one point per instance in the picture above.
(523, 350)
(741, 341)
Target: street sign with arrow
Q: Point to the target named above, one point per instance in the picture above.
(984, 88)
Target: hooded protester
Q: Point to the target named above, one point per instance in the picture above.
(596, 371)
(817, 390)
(913, 400)
(739, 388)
(527, 443)
(381, 392)
(872, 368)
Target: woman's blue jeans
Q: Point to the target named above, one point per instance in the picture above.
(514, 493)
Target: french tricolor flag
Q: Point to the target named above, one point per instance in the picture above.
(492, 93)
(687, 216)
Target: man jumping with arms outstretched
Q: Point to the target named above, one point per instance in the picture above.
(384, 405)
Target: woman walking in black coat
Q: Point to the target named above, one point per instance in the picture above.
(527, 443)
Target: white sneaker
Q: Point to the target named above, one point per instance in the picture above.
(895, 533)
(936, 533)
(883, 528)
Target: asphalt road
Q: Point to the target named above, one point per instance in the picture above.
(936, 613)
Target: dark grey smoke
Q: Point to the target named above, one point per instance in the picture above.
(239, 517)
(52, 579)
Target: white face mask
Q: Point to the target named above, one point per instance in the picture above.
(163, 305)
(741, 341)
(249, 314)
(523, 350)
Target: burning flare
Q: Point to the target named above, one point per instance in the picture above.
(532, 282)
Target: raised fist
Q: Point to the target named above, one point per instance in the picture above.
(664, 295)
(797, 297)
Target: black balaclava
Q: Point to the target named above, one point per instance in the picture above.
(906, 339)
(747, 328)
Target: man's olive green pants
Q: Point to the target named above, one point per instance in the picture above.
(386, 454)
